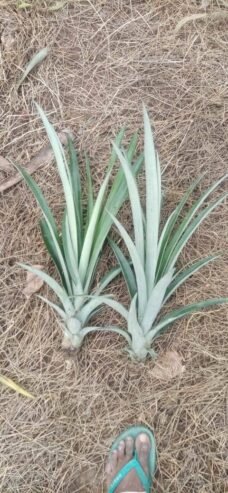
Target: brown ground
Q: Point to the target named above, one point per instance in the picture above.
(106, 58)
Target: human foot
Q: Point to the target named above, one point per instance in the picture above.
(124, 454)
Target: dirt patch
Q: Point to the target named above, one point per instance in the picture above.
(106, 58)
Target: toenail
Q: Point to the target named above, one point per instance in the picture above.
(143, 438)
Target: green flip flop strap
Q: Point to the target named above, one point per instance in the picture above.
(133, 464)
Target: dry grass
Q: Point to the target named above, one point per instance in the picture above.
(108, 57)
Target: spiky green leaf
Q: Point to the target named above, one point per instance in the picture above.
(138, 267)
(110, 328)
(76, 189)
(125, 267)
(64, 176)
(135, 203)
(91, 231)
(183, 275)
(191, 229)
(186, 228)
(96, 301)
(51, 227)
(116, 198)
(182, 312)
(153, 193)
(59, 291)
(50, 245)
(170, 225)
(54, 306)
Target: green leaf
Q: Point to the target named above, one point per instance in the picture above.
(191, 229)
(125, 267)
(116, 197)
(90, 199)
(182, 312)
(14, 386)
(106, 279)
(36, 60)
(59, 291)
(91, 231)
(169, 226)
(155, 301)
(39, 198)
(135, 204)
(118, 140)
(50, 245)
(96, 301)
(138, 267)
(64, 176)
(54, 306)
(183, 228)
(70, 256)
(110, 328)
(132, 146)
(183, 275)
(50, 222)
(76, 188)
(153, 194)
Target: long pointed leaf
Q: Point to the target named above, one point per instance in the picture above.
(182, 276)
(181, 231)
(126, 269)
(106, 279)
(138, 268)
(90, 233)
(64, 175)
(89, 186)
(135, 203)
(116, 198)
(110, 328)
(191, 229)
(182, 312)
(88, 309)
(153, 190)
(37, 192)
(54, 306)
(51, 248)
(36, 60)
(50, 222)
(70, 256)
(76, 189)
(118, 139)
(170, 224)
(59, 291)
(132, 146)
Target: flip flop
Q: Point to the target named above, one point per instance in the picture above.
(146, 480)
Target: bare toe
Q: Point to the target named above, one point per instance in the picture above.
(129, 447)
(112, 463)
(121, 449)
(142, 445)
